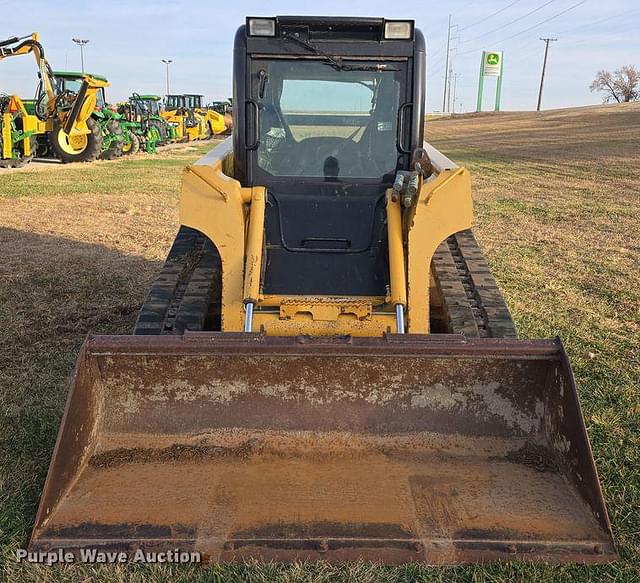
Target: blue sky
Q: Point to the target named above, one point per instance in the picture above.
(128, 39)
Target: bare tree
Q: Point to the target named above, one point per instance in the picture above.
(621, 86)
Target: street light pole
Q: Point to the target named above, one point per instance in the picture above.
(81, 42)
(167, 62)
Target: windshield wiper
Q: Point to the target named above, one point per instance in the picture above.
(337, 62)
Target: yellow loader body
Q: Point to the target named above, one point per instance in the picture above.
(219, 207)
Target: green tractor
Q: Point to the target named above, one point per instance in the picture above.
(142, 135)
(113, 136)
(148, 107)
(56, 120)
(221, 107)
(141, 112)
(136, 138)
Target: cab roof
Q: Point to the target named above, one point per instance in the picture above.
(77, 75)
(148, 97)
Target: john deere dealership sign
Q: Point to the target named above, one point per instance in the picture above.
(491, 66)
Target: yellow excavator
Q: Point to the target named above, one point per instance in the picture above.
(325, 367)
(63, 116)
(19, 127)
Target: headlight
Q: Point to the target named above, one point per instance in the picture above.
(261, 26)
(398, 29)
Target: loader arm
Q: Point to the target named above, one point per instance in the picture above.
(219, 207)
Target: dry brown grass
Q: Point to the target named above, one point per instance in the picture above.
(557, 198)
(559, 216)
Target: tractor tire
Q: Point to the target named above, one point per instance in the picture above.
(85, 148)
(115, 150)
(43, 147)
(133, 147)
(187, 295)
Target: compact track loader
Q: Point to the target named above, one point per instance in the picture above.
(325, 367)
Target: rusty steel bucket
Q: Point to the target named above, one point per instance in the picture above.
(405, 448)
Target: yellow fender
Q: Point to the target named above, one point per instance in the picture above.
(444, 207)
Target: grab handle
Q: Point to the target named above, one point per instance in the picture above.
(256, 123)
(401, 129)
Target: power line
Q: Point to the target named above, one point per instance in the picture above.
(598, 22)
(453, 51)
(521, 48)
(448, 70)
(512, 21)
(545, 21)
(527, 43)
(491, 15)
(531, 27)
(524, 45)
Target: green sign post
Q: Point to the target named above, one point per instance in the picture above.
(491, 65)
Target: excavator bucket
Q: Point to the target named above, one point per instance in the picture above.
(405, 448)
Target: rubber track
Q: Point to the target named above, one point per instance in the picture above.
(187, 291)
(473, 303)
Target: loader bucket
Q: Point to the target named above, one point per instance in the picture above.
(405, 448)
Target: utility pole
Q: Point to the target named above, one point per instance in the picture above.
(451, 77)
(455, 84)
(81, 42)
(544, 67)
(167, 62)
(446, 67)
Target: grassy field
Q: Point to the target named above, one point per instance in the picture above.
(558, 207)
